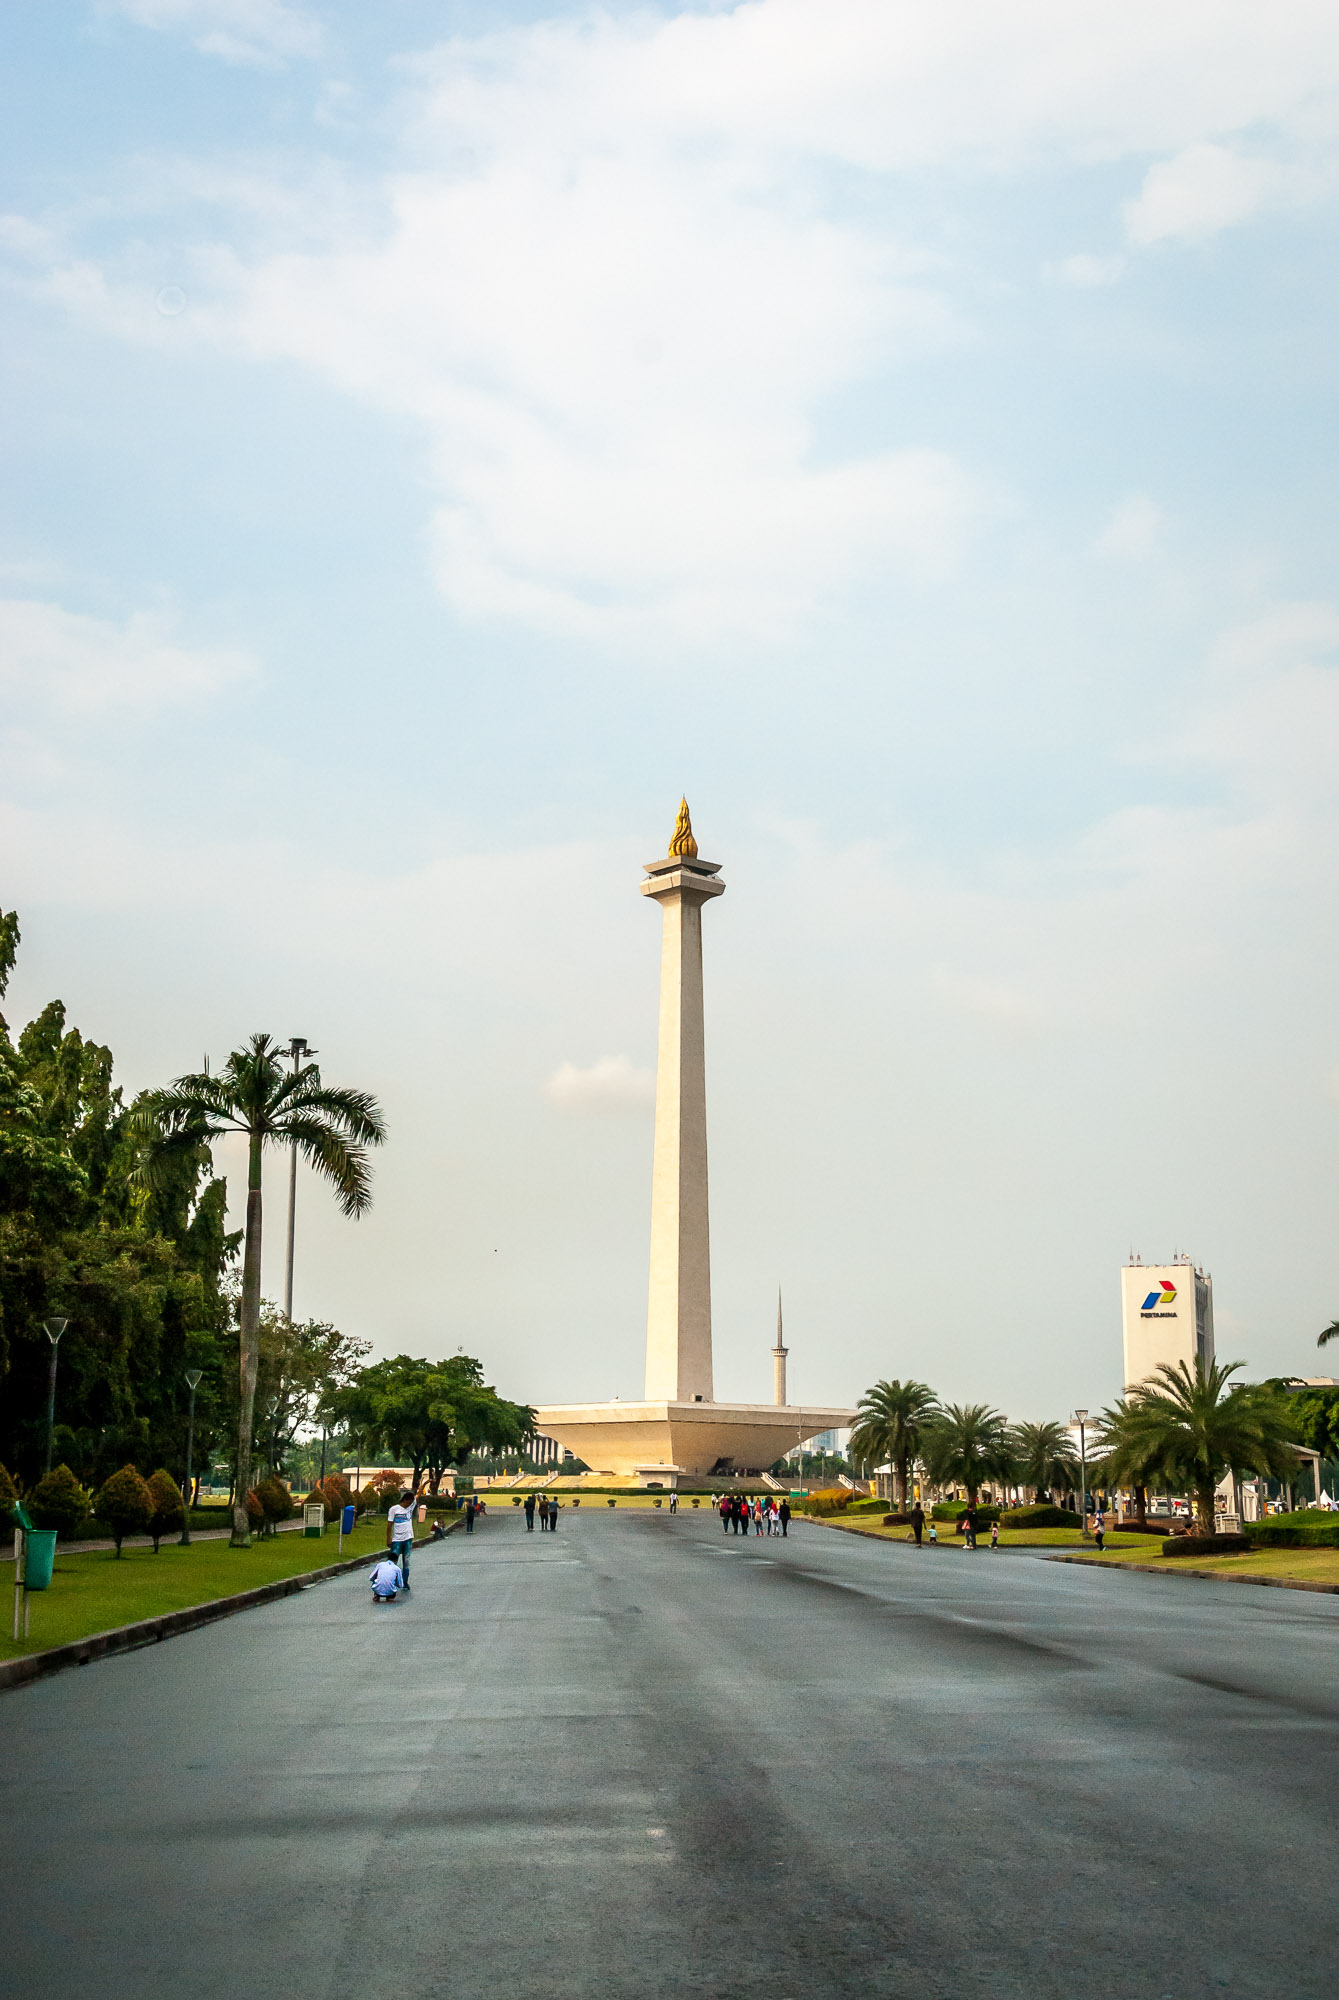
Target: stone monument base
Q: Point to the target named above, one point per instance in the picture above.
(662, 1442)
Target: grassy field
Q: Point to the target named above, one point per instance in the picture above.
(1010, 1538)
(1289, 1565)
(91, 1591)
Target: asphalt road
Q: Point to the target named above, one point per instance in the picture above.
(639, 1758)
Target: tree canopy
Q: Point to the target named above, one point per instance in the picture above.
(138, 1273)
(429, 1414)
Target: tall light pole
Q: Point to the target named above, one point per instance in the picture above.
(298, 1050)
(1081, 1419)
(53, 1328)
(192, 1383)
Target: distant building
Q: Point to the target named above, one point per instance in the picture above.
(1166, 1316)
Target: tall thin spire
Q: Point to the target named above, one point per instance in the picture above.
(779, 1353)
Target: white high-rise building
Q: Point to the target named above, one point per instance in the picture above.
(1166, 1315)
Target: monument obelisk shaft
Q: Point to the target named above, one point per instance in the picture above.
(678, 1319)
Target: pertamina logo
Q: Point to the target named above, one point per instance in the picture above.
(1162, 1298)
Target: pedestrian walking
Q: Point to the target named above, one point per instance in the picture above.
(469, 1515)
(918, 1522)
(783, 1515)
(994, 1534)
(725, 1513)
(400, 1522)
(553, 1517)
(529, 1513)
(1099, 1529)
(757, 1517)
(674, 1503)
(543, 1511)
(967, 1526)
(934, 1535)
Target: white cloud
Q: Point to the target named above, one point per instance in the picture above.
(55, 658)
(611, 1085)
(1133, 529)
(237, 31)
(613, 288)
(1089, 272)
(1205, 189)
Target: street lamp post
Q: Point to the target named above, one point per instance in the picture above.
(1081, 1419)
(192, 1383)
(53, 1328)
(298, 1050)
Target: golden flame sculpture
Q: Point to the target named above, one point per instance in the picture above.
(683, 842)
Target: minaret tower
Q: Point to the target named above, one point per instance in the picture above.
(678, 1319)
(779, 1353)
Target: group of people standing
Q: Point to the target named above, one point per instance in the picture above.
(766, 1517)
(547, 1510)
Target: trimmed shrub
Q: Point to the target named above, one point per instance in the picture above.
(1308, 1528)
(1040, 1516)
(169, 1509)
(953, 1510)
(385, 1489)
(9, 1495)
(125, 1503)
(58, 1501)
(255, 1513)
(276, 1501)
(1205, 1545)
(828, 1500)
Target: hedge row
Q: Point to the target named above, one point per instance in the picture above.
(1039, 1516)
(1309, 1528)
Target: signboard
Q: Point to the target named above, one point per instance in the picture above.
(1166, 1317)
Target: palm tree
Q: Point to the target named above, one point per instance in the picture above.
(1182, 1428)
(966, 1442)
(1045, 1456)
(893, 1417)
(256, 1094)
(1331, 1333)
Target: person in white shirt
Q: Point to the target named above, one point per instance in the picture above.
(386, 1581)
(401, 1518)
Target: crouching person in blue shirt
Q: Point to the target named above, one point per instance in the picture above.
(387, 1582)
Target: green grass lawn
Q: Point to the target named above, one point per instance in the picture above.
(92, 1591)
(1289, 1565)
(1010, 1538)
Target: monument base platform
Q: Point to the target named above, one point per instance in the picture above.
(659, 1442)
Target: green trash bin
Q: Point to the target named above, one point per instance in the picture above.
(39, 1553)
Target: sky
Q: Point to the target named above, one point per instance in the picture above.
(438, 436)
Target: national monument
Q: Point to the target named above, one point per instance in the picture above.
(680, 1429)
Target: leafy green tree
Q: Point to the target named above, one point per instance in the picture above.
(169, 1509)
(1187, 1429)
(137, 1275)
(125, 1503)
(1045, 1457)
(430, 1413)
(301, 1366)
(893, 1419)
(58, 1501)
(257, 1095)
(966, 1444)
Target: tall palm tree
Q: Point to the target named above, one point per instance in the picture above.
(257, 1094)
(893, 1417)
(1045, 1456)
(1188, 1428)
(967, 1442)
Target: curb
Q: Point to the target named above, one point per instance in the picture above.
(1204, 1575)
(171, 1624)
